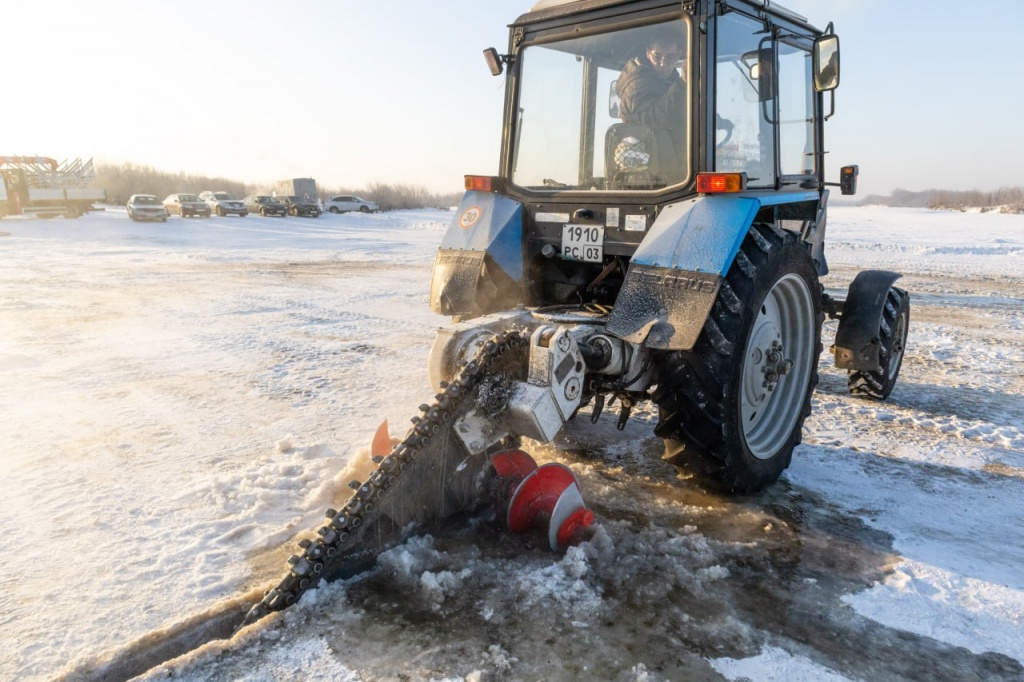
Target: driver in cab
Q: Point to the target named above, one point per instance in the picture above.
(653, 93)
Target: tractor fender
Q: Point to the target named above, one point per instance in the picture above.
(479, 265)
(674, 276)
(857, 341)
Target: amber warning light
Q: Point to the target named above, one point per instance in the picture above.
(717, 183)
(482, 183)
(848, 179)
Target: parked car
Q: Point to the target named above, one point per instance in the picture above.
(347, 202)
(146, 207)
(186, 205)
(223, 203)
(264, 204)
(300, 206)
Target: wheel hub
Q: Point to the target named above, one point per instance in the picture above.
(781, 344)
(766, 364)
(776, 366)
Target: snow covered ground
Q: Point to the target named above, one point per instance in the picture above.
(178, 400)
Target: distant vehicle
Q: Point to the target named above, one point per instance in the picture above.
(298, 206)
(223, 203)
(297, 187)
(39, 186)
(348, 202)
(264, 205)
(186, 205)
(146, 207)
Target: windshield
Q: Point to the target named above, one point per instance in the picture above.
(146, 200)
(189, 197)
(608, 111)
(223, 196)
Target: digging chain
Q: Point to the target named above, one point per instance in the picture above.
(306, 567)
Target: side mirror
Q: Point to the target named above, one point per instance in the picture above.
(760, 65)
(493, 60)
(613, 100)
(826, 63)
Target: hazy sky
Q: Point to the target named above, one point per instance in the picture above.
(397, 91)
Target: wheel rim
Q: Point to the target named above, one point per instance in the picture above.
(776, 366)
(899, 343)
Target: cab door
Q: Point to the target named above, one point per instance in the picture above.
(764, 103)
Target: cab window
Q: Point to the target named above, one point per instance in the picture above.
(578, 124)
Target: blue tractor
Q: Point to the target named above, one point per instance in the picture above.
(655, 232)
(675, 227)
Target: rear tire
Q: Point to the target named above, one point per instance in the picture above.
(334, 210)
(732, 408)
(892, 334)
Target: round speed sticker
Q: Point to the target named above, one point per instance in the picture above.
(470, 217)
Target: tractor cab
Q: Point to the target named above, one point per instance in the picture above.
(616, 110)
(587, 75)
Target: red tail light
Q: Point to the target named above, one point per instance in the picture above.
(718, 183)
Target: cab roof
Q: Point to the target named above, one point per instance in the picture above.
(550, 9)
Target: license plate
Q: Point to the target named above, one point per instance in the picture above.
(583, 243)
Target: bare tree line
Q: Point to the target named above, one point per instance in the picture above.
(128, 178)
(122, 181)
(1005, 199)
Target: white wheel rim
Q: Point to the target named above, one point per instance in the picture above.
(772, 398)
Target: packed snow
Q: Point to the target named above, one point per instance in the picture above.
(180, 400)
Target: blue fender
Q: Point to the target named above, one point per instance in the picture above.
(675, 274)
(479, 265)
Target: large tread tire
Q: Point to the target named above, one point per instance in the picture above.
(892, 335)
(719, 421)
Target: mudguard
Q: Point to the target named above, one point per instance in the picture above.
(675, 274)
(857, 339)
(479, 265)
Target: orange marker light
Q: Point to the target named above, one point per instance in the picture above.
(482, 183)
(717, 183)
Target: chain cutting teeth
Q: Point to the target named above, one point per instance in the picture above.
(391, 461)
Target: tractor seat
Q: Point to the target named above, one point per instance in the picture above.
(630, 155)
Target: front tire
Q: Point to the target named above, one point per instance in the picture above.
(892, 334)
(732, 408)
(364, 209)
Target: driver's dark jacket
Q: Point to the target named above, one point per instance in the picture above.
(660, 104)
